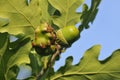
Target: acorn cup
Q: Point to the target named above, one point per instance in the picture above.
(67, 35)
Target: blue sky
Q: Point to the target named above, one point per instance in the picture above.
(104, 31)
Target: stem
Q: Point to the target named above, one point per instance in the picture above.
(50, 63)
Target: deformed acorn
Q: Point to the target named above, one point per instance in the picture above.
(44, 39)
(43, 35)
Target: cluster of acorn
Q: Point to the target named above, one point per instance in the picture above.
(47, 39)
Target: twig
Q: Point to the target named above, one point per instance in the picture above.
(50, 63)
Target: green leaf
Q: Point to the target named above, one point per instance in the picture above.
(35, 63)
(44, 7)
(51, 9)
(38, 64)
(88, 15)
(90, 68)
(12, 56)
(23, 18)
(3, 21)
(68, 15)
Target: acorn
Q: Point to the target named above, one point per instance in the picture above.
(67, 35)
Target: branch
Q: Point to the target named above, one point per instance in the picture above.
(50, 63)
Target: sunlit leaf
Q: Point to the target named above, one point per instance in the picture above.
(22, 18)
(68, 15)
(90, 68)
(3, 21)
(43, 6)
